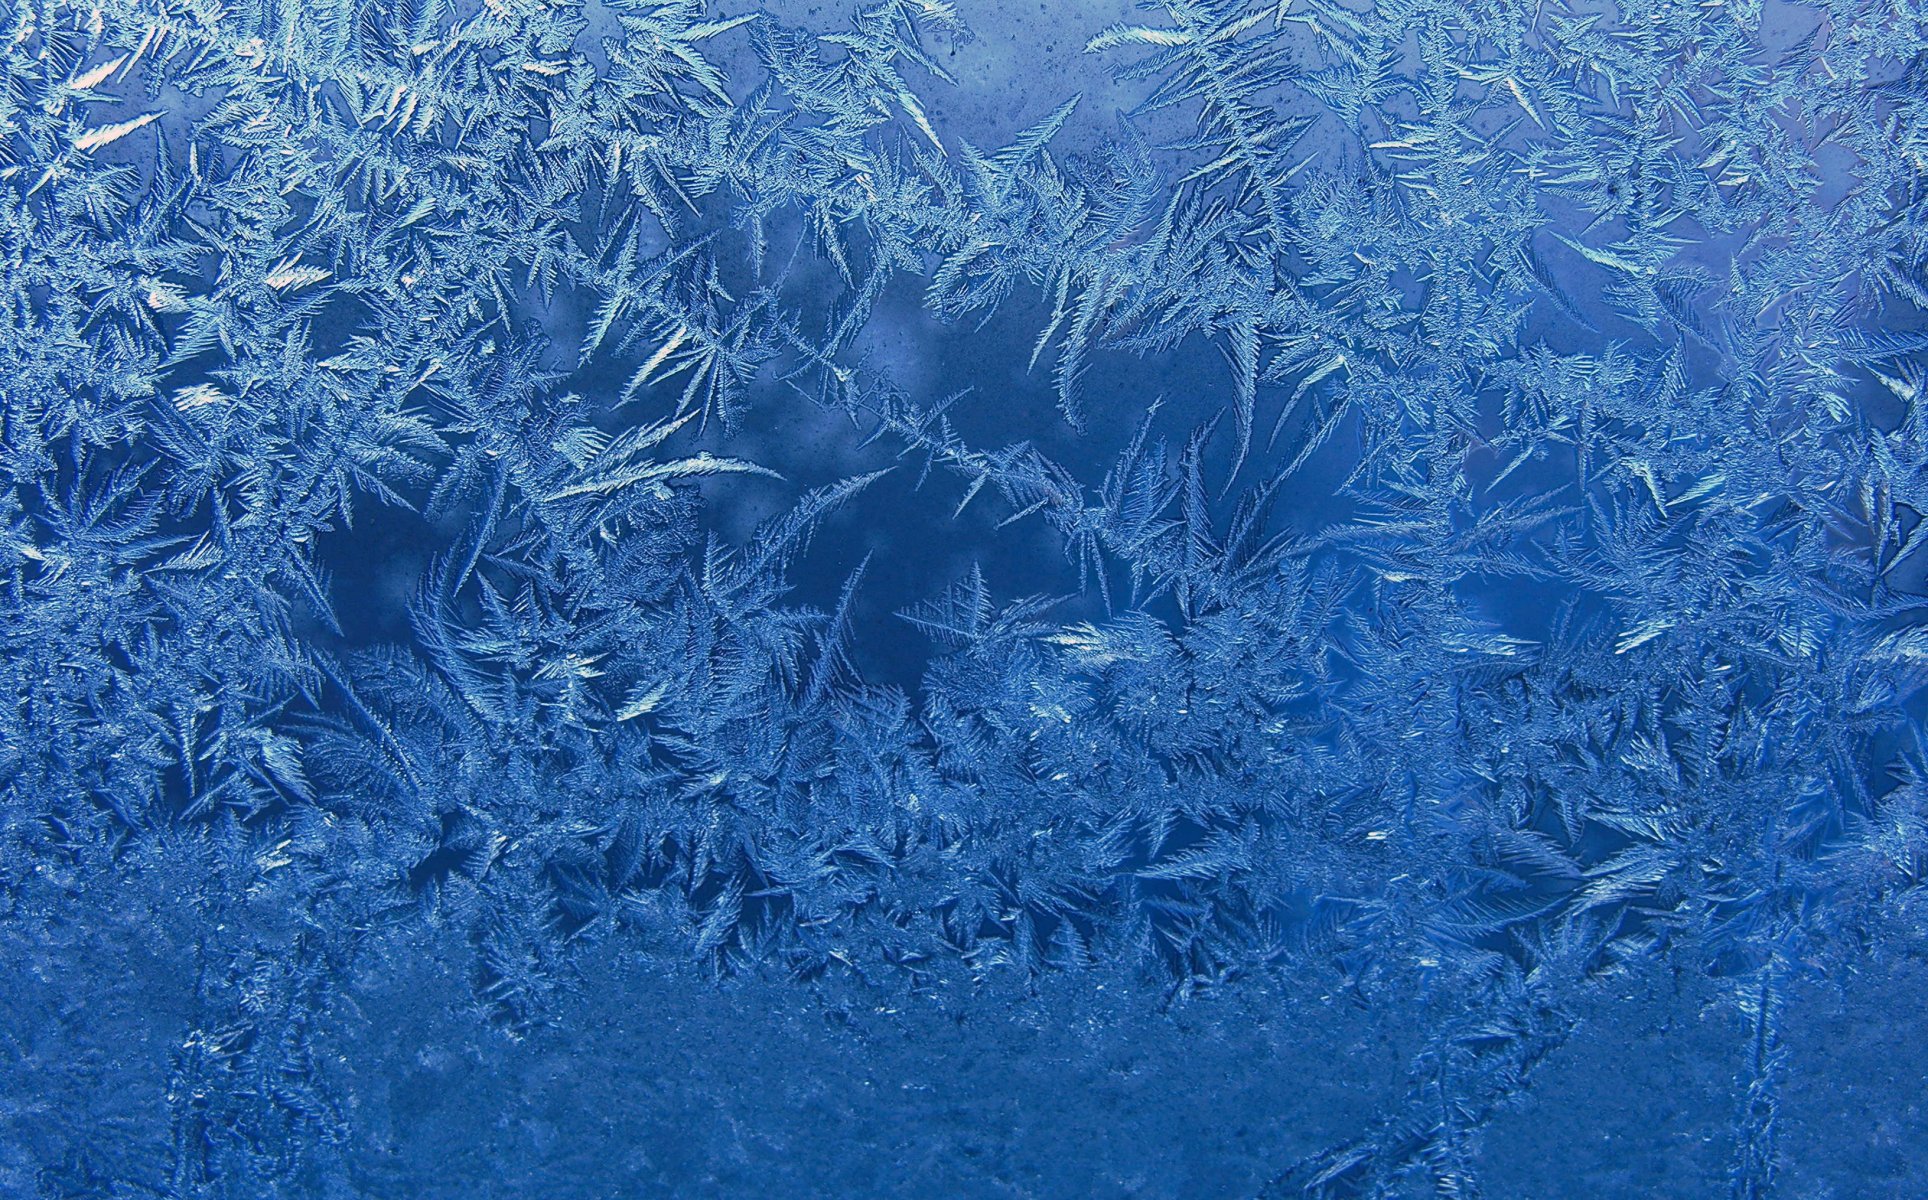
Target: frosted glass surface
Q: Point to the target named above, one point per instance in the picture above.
(1210, 598)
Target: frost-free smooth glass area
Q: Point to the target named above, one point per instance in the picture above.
(1317, 598)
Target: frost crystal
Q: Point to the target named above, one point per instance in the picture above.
(1411, 508)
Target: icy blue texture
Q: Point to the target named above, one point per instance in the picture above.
(1306, 598)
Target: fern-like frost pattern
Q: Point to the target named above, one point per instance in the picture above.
(1412, 507)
